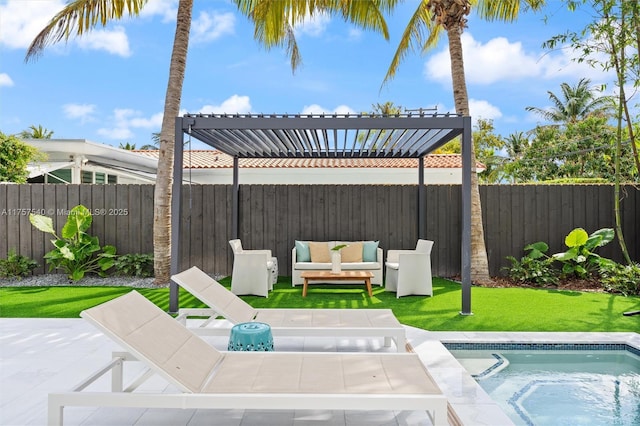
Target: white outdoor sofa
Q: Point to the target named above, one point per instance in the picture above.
(372, 261)
(205, 378)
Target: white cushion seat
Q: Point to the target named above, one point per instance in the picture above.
(352, 266)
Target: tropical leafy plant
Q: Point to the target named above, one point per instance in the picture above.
(16, 265)
(534, 267)
(580, 260)
(76, 252)
(619, 278)
(135, 265)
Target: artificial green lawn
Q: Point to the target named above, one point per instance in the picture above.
(494, 309)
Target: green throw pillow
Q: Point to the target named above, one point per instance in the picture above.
(302, 252)
(370, 251)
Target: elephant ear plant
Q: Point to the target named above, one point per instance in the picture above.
(580, 260)
(76, 252)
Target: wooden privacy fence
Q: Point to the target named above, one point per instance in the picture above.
(274, 216)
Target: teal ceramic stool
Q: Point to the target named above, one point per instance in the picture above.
(251, 336)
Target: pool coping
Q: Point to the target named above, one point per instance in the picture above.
(471, 404)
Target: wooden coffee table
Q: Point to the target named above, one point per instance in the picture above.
(340, 276)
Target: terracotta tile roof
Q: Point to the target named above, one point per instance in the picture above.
(213, 159)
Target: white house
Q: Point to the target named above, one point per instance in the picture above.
(82, 161)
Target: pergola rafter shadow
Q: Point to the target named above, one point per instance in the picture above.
(327, 136)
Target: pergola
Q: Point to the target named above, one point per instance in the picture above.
(326, 136)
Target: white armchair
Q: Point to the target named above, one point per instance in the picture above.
(409, 271)
(254, 271)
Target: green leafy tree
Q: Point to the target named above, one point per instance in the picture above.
(387, 108)
(583, 150)
(422, 33)
(486, 144)
(36, 132)
(611, 41)
(127, 146)
(576, 103)
(15, 155)
(516, 144)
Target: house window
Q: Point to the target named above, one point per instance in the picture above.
(59, 176)
(99, 178)
(87, 177)
(112, 179)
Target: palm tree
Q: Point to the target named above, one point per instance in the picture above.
(422, 32)
(80, 16)
(128, 146)
(34, 132)
(576, 103)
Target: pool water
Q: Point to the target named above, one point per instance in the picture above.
(559, 387)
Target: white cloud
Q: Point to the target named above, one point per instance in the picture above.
(5, 80)
(116, 133)
(313, 26)
(113, 41)
(167, 9)
(354, 34)
(496, 60)
(234, 105)
(211, 26)
(83, 112)
(153, 122)
(500, 60)
(317, 109)
(563, 65)
(483, 109)
(23, 20)
(125, 119)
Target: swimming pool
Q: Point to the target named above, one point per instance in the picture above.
(558, 384)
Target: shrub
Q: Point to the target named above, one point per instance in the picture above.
(535, 267)
(16, 265)
(75, 252)
(135, 265)
(619, 278)
(580, 260)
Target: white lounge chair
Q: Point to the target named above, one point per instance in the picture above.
(285, 322)
(206, 378)
(409, 271)
(254, 271)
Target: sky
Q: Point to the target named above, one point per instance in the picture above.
(108, 86)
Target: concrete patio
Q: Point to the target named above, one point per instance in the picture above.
(39, 356)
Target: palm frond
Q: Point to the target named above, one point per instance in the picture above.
(421, 33)
(79, 17)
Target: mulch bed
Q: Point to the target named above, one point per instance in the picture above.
(573, 284)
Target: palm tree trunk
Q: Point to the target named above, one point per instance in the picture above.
(164, 177)
(479, 261)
